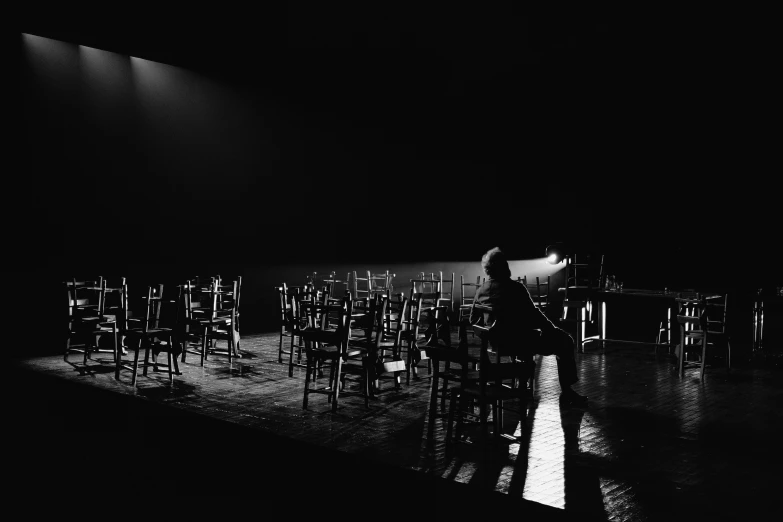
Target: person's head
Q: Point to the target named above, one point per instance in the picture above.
(495, 264)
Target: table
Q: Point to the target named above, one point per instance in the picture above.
(629, 295)
(773, 303)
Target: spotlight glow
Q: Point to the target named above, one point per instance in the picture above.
(552, 259)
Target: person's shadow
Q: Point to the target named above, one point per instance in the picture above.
(583, 495)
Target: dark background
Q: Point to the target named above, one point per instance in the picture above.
(335, 135)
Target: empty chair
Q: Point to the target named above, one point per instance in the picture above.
(329, 345)
(584, 276)
(466, 294)
(86, 320)
(298, 322)
(222, 322)
(539, 291)
(702, 325)
(458, 367)
(380, 284)
(411, 333)
(197, 306)
(153, 331)
(360, 285)
(286, 319)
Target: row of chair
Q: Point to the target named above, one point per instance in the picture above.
(366, 284)
(379, 337)
(185, 318)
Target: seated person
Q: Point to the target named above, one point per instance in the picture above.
(512, 300)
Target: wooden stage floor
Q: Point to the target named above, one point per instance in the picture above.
(651, 445)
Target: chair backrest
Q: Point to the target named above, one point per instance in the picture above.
(447, 288)
(717, 313)
(85, 297)
(306, 295)
(692, 313)
(584, 273)
(379, 306)
(226, 299)
(320, 316)
(337, 287)
(360, 286)
(112, 298)
(539, 290)
(380, 283)
(419, 302)
(284, 304)
(468, 290)
(506, 338)
(427, 283)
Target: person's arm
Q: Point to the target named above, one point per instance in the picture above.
(536, 317)
(476, 316)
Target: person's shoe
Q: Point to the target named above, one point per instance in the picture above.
(571, 398)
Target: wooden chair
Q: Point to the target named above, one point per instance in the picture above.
(286, 320)
(87, 322)
(539, 291)
(380, 284)
(584, 276)
(360, 286)
(383, 359)
(395, 311)
(221, 324)
(702, 324)
(330, 345)
(197, 306)
(148, 333)
(467, 291)
(446, 289)
(298, 322)
(500, 381)
(418, 304)
(458, 367)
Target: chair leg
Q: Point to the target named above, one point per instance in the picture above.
(174, 360)
(291, 358)
(339, 371)
(728, 359)
(147, 349)
(409, 366)
(136, 363)
(367, 381)
(483, 419)
(307, 381)
(229, 343)
(204, 345)
(433, 403)
(117, 366)
(681, 357)
(703, 356)
(460, 413)
(452, 404)
(280, 348)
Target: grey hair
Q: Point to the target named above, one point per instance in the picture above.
(495, 264)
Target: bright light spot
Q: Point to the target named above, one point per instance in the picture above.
(552, 259)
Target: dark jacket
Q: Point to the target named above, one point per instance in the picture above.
(513, 308)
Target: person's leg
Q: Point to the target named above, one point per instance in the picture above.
(560, 344)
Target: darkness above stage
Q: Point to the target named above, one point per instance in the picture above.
(486, 127)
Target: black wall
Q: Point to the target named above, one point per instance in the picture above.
(326, 137)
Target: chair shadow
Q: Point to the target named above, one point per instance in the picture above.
(98, 367)
(635, 440)
(583, 494)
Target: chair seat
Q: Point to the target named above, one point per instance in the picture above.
(331, 351)
(215, 320)
(493, 393)
(150, 332)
